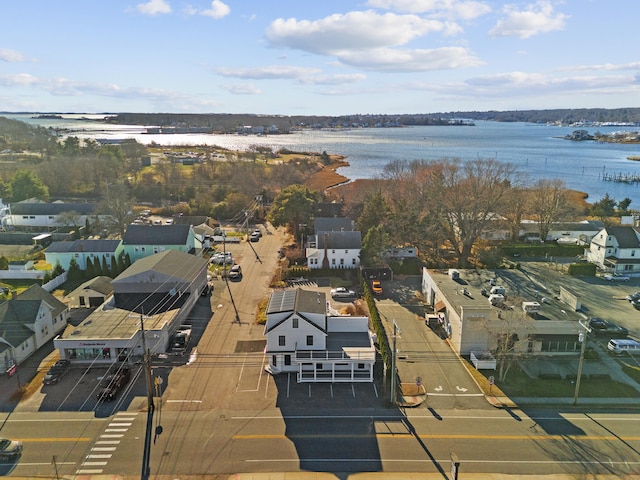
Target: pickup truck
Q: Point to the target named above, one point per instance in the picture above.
(181, 339)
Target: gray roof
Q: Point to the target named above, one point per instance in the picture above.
(590, 226)
(339, 240)
(21, 208)
(332, 224)
(36, 292)
(17, 313)
(101, 284)
(627, 237)
(96, 246)
(170, 262)
(156, 234)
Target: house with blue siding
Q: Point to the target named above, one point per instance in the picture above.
(81, 251)
(140, 241)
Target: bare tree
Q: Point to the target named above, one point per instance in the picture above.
(119, 206)
(467, 197)
(548, 203)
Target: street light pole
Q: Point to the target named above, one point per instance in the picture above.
(396, 332)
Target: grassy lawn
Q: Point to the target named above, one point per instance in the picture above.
(518, 384)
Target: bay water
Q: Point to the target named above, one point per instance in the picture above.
(538, 151)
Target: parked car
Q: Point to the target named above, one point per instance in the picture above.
(257, 232)
(616, 277)
(111, 384)
(10, 450)
(342, 292)
(605, 328)
(222, 258)
(634, 299)
(255, 237)
(376, 287)
(235, 273)
(56, 372)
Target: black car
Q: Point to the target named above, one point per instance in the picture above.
(111, 384)
(56, 372)
(605, 328)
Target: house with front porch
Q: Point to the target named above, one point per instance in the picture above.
(616, 250)
(305, 337)
(27, 322)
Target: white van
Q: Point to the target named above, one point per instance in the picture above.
(498, 291)
(623, 346)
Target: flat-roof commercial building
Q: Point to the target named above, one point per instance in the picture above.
(527, 315)
(156, 292)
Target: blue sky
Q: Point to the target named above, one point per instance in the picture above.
(328, 57)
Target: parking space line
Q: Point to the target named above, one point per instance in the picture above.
(112, 424)
(102, 455)
(375, 389)
(103, 449)
(107, 442)
(309, 390)
(331, 389)
(353, 390)
(88, 472)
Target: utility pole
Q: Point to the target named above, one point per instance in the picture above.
(146, 457)
(582, 337)
(396, 332)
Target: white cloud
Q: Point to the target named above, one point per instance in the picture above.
(460, 9)
(303, 75)
(351, 31)
(242, 89)
(602, 67)
(419, 60)
(218, 10)
(19, 79)
(366, 39)
(154, 7)
(270, 72)
(9, 55)
(537, 18)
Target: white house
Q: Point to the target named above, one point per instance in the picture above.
(339, 249)
(36, 214)
(616, 250)
(303, 337)
(27, 322)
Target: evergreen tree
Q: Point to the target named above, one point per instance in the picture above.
(105, 269)
(75, 274)
(113, 272)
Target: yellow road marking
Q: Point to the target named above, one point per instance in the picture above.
(443, 437)
(53, 439)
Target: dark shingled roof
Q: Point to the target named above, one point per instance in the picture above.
(332, 224)
(339, 240)
(52, 208)
(17, 313)
(627, 237)
(96, 246)
(156, 235)
(101, 284)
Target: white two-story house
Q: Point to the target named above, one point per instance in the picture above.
(616, 250)
(303, 337)
(334, 250)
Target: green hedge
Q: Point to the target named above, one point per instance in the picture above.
(378, 327)
(582, 269)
